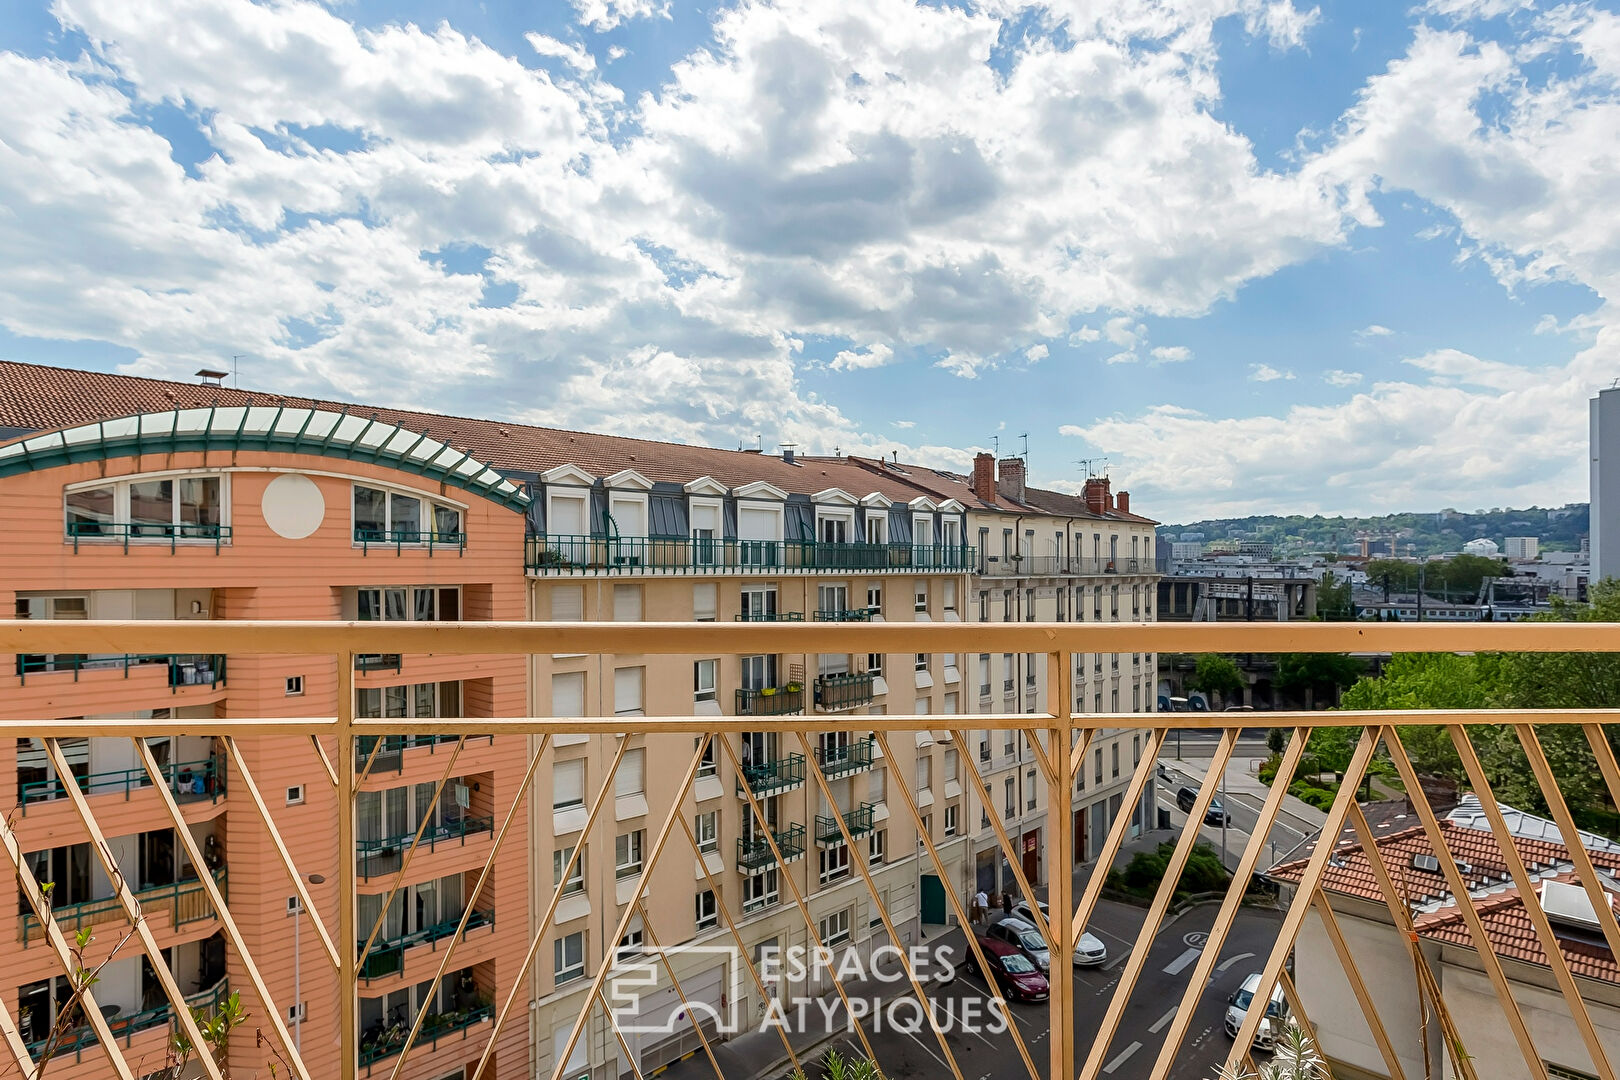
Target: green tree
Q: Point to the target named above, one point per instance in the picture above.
(1217, 676)
(1324, 673)
(1333, 598)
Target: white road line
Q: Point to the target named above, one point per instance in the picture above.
(927, 1051)
(1124, 1056)
(1224, 964)
(1175, 966)
(1158, 1025)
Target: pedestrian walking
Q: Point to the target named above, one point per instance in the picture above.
(981, 906)
(1006, 903)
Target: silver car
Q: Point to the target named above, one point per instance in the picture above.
(1088, 952)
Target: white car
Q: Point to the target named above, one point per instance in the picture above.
(1237, 1009)
(1088, 953)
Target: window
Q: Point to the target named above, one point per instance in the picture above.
(984, 808)
(760, 890)
(1029, 669)
(708, 910)
(1136, 747)
(576, 874)
(705, 527)
(877, 847)
(703, 680)
(921, 662)
(297, 1014)
(1114, 700)
(1113, 753)
(295, 795)
(1099, 749)
(568, 957)
(1029, 605)
(704, 602)
(984, 675)
(627, 854)
(295, 685)
(1006, 673)
(984, 746)
(920, 601)
(1011, 801)
(1006, 605)
(925, 772)
(834, 863)
(397, 517)
(627, 684)
(629, 945)
(627, 603)
(951, 765)
(708, 831)
(984, 606)
(877, 527)
(707, 764)
(171, 508)
(295, 906)
(1030, 790)
(568, 694)
(1113, 603)
(568, 784)
(950, 820)
(759, 604)
(948, 601)
(631, 777)
(874, 663)
(1007, 743)
(835, 928)
(568, 603)
(874, 599)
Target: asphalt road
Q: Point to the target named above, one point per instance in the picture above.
(1200, 742)
(1287, 831)
(983, 1054)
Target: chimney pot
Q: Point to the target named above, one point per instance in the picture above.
(1123, 501)
(1096, 495)
(984, 477)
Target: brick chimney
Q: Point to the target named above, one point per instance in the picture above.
(1123, 502)
(1011, 482)
(984, 477)
(1096, 495)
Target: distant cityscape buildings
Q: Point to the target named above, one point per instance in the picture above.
(1605, 449)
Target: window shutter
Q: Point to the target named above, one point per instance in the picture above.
(629, 780)
(704, 602)
(627, 603)
(627, 690)
(568, 694)
(568, 783)
(568, 603)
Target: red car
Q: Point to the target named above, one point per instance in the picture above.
(1014, 975)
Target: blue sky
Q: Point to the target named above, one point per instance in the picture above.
(1259, 256)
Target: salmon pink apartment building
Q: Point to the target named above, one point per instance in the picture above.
(134, 498)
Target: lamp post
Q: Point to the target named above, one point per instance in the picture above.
(298, 989)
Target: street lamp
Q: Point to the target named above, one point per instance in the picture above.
(298, 989)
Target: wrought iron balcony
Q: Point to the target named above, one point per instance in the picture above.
(1368, 875)
(835, 693)
(77, 1042)
(387, 955)
(382, 856)
(754, 852)
(779, 774)
(771, 701)
(859, 821)
(569, 554)
(142, 533)
(189, 781)
(841, 760)
(770, 616)
(844, 615)
(190, 670)
(1065, 566)
(400, 539)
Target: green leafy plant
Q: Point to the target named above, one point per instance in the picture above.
(836, 1067)
(1294, 1058)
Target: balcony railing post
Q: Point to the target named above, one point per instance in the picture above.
(348, 1012)
(1060, 796)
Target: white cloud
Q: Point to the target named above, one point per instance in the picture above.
(602, 15)
(1171, 354)
(575, 54)
(1122, 358)
(1267, 373)
(1475, 9)
(1036, 353)
(617, 52)
(907, 424)
(875, 355)
(1338, 377)
(1124, 331)
(1366, 333)
(1085, 336)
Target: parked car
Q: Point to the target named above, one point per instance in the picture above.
(1088, 953)
(1216, 814)
(1015, 975)
(1025, 938)
(1237, 1009)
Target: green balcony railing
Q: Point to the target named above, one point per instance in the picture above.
(852, 757)
(399, 539)
(200, 669)
(777, 774)
(185, 901)
(754, 852)
(125, 1027)
(386, 1043)
(770, 701)
(834, 692)
(378, 856)
(844, 615)
(125, 531)
(188, 780)
(387, 956)
(771, 616)
(390, 754)
(569, 554)
(859, 822)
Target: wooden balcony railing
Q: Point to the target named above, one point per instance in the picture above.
(1564, 989)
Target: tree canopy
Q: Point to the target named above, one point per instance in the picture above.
(1216, 675)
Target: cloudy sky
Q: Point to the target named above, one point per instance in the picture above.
(1259, 256)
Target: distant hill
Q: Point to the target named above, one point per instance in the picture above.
(1559, 529)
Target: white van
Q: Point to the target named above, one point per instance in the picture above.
(1237, 1010)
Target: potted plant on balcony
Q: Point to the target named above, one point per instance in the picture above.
(795, 688)
(769, 691)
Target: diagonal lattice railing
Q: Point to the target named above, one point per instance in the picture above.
(341, 750)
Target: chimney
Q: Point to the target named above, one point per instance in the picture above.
(984, 477)
(787, 452)
(1123, 502)
(1011, 482)
(1096, 495)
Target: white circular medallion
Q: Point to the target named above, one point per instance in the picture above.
(293, 506)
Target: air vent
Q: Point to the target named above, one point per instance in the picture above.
(1426, 862)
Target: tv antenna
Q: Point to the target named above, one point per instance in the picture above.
(995, 441)
(1025, 452)
(236, 377)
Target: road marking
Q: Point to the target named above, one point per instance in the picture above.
(1195, 940)
(927, 1051)
(1124, 1056)
(1175, 966)
(1224, 964)
(1158, 1025)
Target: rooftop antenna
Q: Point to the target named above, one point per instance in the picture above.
(1025, 452)
(236, 377)
(995, 440)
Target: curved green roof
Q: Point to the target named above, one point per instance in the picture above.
(267, 428)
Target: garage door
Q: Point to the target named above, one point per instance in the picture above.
(667, 1034)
